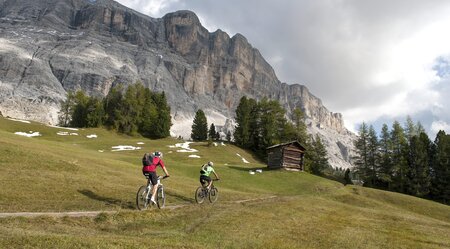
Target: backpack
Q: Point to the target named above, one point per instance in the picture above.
(147, 159)
(203, 169)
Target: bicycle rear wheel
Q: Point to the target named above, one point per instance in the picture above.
(161, 197)
(200, 195)
(213, 195)
(141, 198)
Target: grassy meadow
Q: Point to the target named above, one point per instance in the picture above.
(56, 173)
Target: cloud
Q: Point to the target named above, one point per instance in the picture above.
(440, 125)
(366, 59)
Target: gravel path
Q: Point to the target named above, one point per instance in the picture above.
(95, 213)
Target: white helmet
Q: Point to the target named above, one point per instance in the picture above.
(158, 154)
(210, 163)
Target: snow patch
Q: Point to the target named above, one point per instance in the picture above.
(251, 172)
(215, 144)
(19, 120)
(243, 159)
(30, 134)
(101, 151)
(222, 143)
(194, 156)
(259, 170)
(91, 136)
(66, 128)
(65, 133)
(140, 143)
(185, 147)
(124, 147)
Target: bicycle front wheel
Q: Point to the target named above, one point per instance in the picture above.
(200, 195)
(142, 198)
(213, 194)
(160, 197)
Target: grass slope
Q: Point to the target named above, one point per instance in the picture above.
(69, 173)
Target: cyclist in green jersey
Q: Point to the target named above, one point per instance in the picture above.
(205, 173)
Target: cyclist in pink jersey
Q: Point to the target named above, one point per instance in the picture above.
(150, 172)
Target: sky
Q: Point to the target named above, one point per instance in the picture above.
(373, 61)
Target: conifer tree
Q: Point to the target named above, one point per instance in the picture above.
(440, 169)
(229, 136)
(79, 114)
(212, 132)
(163, 123)
(66, 111)
(199, 127)
(372, 157)
(399, 151)
(418, 183)
(320, 162)
(385, 174)
(112, 104)
(242, 131)
(362, 152)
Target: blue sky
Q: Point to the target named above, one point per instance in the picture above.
(372, 61)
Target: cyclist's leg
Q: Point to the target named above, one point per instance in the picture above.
(154, 179)
(209, 182)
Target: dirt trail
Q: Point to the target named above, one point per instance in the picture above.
(95, 213)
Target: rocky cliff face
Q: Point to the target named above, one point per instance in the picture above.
(48, 47)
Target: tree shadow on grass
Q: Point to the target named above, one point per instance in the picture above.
(182, 197)
(107, 200)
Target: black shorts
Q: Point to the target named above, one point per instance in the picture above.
(152, 176)
(204, 179)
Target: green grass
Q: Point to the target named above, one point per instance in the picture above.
(68, 173)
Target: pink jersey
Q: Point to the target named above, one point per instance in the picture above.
(152, 168)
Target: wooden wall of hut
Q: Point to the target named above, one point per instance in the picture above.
(275, 158)
(292, 157)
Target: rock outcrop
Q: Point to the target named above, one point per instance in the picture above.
(48, 47)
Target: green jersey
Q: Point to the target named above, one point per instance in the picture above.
(207, 170)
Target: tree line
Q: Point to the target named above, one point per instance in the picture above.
(405, 160)
(134, 110)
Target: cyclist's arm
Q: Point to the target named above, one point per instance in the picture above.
(163, 167)
(215, 174)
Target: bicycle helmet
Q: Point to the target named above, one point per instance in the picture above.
(158, 154)
(210, 163)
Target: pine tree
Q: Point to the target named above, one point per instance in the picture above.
(66, 111)
(418, 183)
(385, 174)
(347, 179)
(298, 118)
(79, 114)
(199, 127)
(217, 136)
(372, 157)
(242, 131)
(95, 112)
(164, 120)
(440, 168)
(399, 162)
(229, 136)
(320, 162)
(212, 132)
(149, 114)
(362, 153)
(112, 104)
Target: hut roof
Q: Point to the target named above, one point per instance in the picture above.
(288, 143)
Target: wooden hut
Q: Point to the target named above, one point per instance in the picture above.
(288, 155)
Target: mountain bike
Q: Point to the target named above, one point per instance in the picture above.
(203, 192)
(144, 195)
